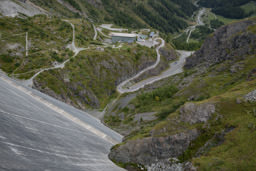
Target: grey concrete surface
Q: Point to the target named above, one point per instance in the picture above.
(35, 137)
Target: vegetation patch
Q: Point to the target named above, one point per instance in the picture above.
(92, 76)
(47, 41)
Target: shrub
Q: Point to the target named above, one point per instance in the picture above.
(6, 58)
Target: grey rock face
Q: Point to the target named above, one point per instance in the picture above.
(147, 116)
(169, 54)
(153, 149)
(11, 8)
(168, 165)
(227, 43)
(193, 113)
(236, 67)
(251, 97)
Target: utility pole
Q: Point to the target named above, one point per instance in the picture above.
(26, 43)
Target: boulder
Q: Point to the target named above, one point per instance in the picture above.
(250, 97)
(195, 113)
(153, 149)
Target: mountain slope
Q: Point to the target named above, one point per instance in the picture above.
(208, 109)
(165, 15)
(91, 78)
(229, 9)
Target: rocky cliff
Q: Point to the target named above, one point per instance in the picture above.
(153, 149)
(14, 8)
(158, 148)
(227, 43)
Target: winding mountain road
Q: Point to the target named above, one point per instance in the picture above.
(109, 27)
(199, 22)
(100, 31)
(72, 46)
(174, 68)
(120, 87)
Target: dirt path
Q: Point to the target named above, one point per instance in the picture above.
(72, 46)
(95, 32)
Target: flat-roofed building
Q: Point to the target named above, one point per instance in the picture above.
(123, 37)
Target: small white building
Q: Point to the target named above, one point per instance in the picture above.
(123, 37)
(152, 34)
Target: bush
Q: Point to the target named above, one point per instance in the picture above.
(6, 58)
(55, 56)
(156, 95)
(165, 112)
(216, 23)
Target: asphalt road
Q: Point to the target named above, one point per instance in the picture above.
(199, 22)
(174, 68)
(122, 87)
(39, 133)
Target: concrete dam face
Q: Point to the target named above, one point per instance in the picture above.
(38, 132)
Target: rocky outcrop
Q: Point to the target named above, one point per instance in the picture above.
(230, 42)
(69, 6)
(12, 8)
(250, 97)
(195, 113)
(216, 140)
(153, 149)
(171, 165)
(168, 54)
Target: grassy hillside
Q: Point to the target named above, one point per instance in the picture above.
(47, 41)
(48, 38)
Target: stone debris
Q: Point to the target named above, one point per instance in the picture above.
(195, 113)
(250, 97)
